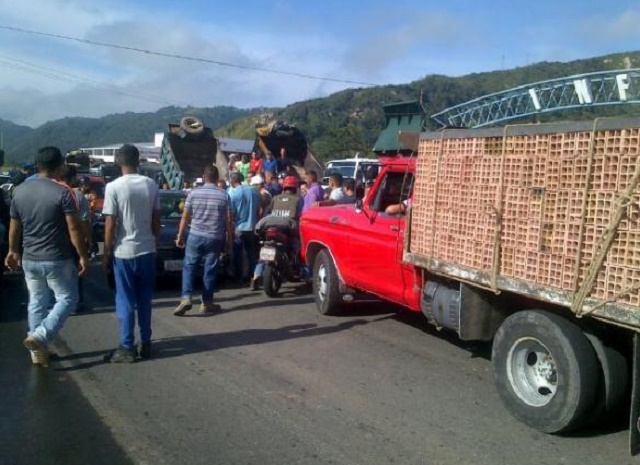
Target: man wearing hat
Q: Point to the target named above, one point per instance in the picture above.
(257, 182)
(45, 213)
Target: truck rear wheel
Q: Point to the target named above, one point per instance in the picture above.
(325, 284)
(545, 370)
(613, 380)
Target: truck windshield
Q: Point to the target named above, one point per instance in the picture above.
(171, 205)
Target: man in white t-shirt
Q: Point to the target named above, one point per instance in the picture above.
(337, 195)
(132, 224)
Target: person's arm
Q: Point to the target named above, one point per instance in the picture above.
(230, 221)
(79, 243)
(396, 209)
(85, 222)
(156, 223)
(326, 203)
(87, 233)
(184, 223)
(185, 220)
(14, 258)
(109, 210)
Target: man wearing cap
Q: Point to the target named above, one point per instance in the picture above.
(45, 213)
(258, 184)
(207, 210)
(132, 226)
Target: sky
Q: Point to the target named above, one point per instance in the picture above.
(253, 51)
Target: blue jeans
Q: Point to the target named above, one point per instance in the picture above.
(135, 279)
(53, 295)
(244, 242)
(197, 249)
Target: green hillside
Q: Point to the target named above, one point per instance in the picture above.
(337, 125)
(21, 142)
(350, 121)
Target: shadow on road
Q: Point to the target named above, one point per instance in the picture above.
(186, 345)
(179, 346)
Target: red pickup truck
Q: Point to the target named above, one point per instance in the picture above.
(360, 248)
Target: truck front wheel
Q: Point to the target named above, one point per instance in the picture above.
(545, 370)
(325, 284)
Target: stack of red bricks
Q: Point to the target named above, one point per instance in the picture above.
(552, 213)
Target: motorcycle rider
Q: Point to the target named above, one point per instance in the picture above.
(286, 209)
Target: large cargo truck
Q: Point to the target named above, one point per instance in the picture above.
(527, 236)
(186, 149)
(189, 146)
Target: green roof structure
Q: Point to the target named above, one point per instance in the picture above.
(400, 117)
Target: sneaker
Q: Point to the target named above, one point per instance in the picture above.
(39, 357)
(144, 350)
(209, 307)
(39, 353)
(122, 355)
(255, 284)
(183, 307)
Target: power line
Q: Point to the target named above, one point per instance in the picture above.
(185, 57)
(64, 76)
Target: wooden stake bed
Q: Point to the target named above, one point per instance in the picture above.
(551, 211)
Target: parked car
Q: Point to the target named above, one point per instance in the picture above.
(170, 257)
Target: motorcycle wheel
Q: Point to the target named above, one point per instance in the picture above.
(272, 280)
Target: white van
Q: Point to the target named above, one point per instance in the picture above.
(349, 168)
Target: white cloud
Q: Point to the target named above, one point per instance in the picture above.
(163, 80)
(398, 35)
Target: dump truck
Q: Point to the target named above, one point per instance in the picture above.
(189, 146)
(279, 135)
(527, 236)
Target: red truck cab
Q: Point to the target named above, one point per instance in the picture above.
(359, 248)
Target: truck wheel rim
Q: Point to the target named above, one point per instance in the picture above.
(322, 283)
(532, 372)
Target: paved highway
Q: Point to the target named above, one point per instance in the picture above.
(266, 381)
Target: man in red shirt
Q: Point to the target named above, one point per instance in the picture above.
(255, 165)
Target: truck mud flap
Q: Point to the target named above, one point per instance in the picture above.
(634, 419)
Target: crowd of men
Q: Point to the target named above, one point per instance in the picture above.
(50, 237)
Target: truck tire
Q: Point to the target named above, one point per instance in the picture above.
(271, 280)
(613, 380)
(325, 284)
(545, 370)
(192, 125)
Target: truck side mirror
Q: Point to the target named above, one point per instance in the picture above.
(358, 206)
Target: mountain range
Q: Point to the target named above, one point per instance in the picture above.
(337, 125)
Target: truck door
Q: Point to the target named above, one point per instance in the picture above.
(376, 242)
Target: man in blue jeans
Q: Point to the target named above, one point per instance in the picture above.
(132, 224)
(245, 210)
(207, 209)
(45, 213)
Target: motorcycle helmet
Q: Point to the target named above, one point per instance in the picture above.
(290, 182)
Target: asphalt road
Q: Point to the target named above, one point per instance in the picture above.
(266, 381)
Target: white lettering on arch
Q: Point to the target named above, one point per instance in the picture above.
(623, 85)
(583, 90)
(534, 99)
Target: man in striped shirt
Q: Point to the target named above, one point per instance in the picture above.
(207, 209)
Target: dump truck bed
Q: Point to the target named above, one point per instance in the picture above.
(549, 211)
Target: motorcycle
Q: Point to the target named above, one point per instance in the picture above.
(280, 261)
